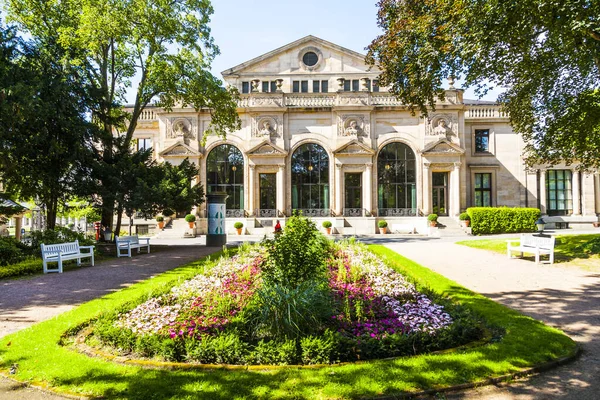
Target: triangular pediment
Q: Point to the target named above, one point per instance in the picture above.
(287, 60)
(267, 149)
(443, 146)
(353, 148)
(180, 149)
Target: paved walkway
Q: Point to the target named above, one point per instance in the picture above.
(564, 297)
(568, 298)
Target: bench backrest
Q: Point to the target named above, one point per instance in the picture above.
(130, 239)
(51, 250)
(538, 241)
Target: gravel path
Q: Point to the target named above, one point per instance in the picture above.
(24, 302)
(564, 297)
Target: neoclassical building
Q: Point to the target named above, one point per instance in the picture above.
(320, 135)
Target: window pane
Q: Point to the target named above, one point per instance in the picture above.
(324, 86)
(375, 85)
(304, 85)
(482, 140)
(396, 168)
(273, 86)
(245, 87)
(316, 86)
(265, 86)
(296, 86)
(347, 85)
(487, 178)
(355, 86)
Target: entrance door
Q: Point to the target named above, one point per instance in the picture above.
(268, 195)
(440, 192)
(353, 195)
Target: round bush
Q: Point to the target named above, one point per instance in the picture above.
(160, 218)
(238, 225)
(464, 217)
(326, 224)
(382, 224)
(432, 217)
(190, 218)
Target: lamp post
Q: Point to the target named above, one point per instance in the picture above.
(540, 224)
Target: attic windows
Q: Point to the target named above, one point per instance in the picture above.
(310, 58)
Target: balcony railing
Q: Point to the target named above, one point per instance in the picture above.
(397, 212)
(353, 212)
(266, 213)
(484, 112)
(235, 213)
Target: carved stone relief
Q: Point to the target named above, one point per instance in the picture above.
(443, 125)
(266, 126)
(353, 125)
(185, 129)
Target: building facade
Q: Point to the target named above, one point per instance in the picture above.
(320, 135)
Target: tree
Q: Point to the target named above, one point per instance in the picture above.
(167, 44)
(43, 126)
(177, 189)
(546, 53)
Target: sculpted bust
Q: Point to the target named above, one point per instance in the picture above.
(352, 128)
(267, 129)
(441, 128)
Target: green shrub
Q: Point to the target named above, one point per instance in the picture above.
(432, 217)
(26, 267)
(493, 220)
(319, 349)
(10, 251)
(297, 255)
(227, 348)
(464, 216)
(58, 235)
(326, 224)
(190, 218)
(168, 212)
(274, 352)
(238, 225)
(382, 224)
(160, 218)
(591, 247)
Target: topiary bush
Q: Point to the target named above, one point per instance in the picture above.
(494, 220)
(464, 216)
(190, 218)
(382, 224)
(160, 218)
(326, 224)
(238, 225)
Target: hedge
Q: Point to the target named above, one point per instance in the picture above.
(487, 220)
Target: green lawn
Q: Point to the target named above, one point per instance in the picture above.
(526, 343)
(569, 249)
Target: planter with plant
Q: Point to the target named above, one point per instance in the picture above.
(161, 221)
(238, 226)
(327, 226)
(382, 227)
(190, 219)
(432, 218)
(465, 219)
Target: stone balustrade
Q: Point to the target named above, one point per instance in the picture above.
(484, 112)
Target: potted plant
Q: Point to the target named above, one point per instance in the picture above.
(432, 218)
(327, 226)
(465, 219)
(190, 219)
(161, 221)
(382, 227)
(238, 226)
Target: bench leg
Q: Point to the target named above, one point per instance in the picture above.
(60, 268)
(537, 257)
(552, 257)
(45, 267)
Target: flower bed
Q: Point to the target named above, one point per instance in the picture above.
(363, 309)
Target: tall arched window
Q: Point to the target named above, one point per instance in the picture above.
(225, 173)
(310, 180)
(396, 181)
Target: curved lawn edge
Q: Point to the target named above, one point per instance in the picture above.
(528, 344)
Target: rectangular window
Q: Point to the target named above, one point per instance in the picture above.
(559, 192)
(324, 86)
(482, 140)
(144, 144)
(296, 86)
(304, 86)
(355, 85)
(273, 86)
(483, 190)
(347, 84)
(265, 86)
(245, 87)
(375, 87)
(316, 86)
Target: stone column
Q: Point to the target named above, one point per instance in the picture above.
(251, 189)
(543, 205)
(588, 206)
(426, 189)
(455, 190)
(18, 225)
(368, 189)
(576, 193)
(597, 191)
(281, 189)
(338, 190)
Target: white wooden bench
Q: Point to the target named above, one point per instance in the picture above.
(537, 245)
(402, 228)
(126, 243)
(63, 252)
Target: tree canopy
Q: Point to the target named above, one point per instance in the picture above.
(546, 53)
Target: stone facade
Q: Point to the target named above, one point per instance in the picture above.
(313, 92)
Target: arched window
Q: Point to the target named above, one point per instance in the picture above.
(396, 181)
(310, 180)
(225, 173)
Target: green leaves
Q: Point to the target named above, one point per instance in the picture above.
(546, 53)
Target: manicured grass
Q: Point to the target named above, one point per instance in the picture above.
(568, 249)
(41, 360)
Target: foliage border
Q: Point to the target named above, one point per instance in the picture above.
(526, 346)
